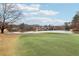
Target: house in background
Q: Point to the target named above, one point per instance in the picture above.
(25, 27)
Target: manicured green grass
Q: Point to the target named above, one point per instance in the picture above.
(48, 44)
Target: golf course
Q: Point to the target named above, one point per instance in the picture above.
(39, 44)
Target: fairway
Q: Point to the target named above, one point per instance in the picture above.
(39, 44)
(48, 44)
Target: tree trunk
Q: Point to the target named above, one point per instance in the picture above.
(2, 30)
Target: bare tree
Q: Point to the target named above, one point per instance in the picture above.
(9, 13)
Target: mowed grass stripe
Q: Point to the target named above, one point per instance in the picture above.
(48, 44)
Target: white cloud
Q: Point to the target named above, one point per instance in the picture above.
(44, 20)
(30, 14)
(37, 12)
(35, 9)
(31, 7)
(42, 13)
(35, 5)
(48, 12)
(49, 20)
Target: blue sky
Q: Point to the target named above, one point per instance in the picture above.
(48, 13)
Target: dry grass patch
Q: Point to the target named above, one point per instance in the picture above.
(8, 44)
